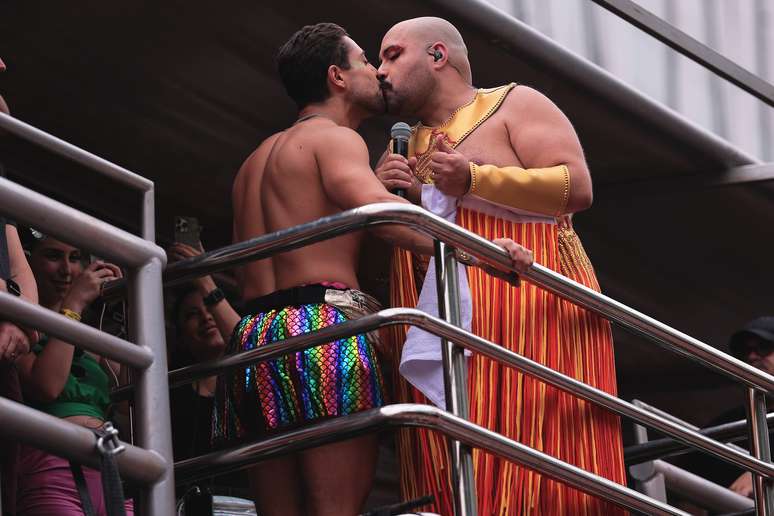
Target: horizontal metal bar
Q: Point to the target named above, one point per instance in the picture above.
(648, 327)
(659, 448)
(76, 333)
(70, 151)
(696, 489)
(483, 250)
(75, 227)
(504, 33)
(74, 442)
(424, 416)
(690, 47)
(470, 341)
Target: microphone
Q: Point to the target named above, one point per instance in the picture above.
(400, 134)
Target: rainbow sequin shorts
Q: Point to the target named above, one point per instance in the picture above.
(329, 380)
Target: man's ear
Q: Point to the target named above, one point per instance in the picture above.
(440, 53)
(335, 77)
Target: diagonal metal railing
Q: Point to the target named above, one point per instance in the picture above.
(424, 416)
(492, 258)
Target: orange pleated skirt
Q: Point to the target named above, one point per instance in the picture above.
(543, 327)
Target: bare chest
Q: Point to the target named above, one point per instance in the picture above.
(490, 144)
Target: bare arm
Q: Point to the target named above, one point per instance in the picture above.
(44, 376)
(224, 314)
(15, 340)
(542, 136)
(20, 267)
(349, 182)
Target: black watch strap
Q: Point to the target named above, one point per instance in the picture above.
(214, 297)
(12, 287)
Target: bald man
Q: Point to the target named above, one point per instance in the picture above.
(512, 164)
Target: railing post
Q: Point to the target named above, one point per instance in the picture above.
(455, 379)
(152, 415)
(759, 448)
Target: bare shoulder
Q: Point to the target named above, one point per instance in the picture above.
(335, 143)
(255, 162)
(526, 100)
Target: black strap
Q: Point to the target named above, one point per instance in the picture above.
(112, 488)
(83, 490)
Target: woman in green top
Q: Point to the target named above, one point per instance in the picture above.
(62, 380)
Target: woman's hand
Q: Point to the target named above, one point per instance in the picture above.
(88, 286)
(180, 251)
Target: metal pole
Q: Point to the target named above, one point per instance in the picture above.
(152, 414)
(759, 448)
(70, 151)
(148, 215)
(455, 379)
(411, 415)
(433, 325)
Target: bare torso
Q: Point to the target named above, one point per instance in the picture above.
(283, 188)
(490, 143)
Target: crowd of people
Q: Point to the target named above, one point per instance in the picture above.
(503, 162)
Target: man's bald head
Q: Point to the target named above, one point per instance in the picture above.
(428, 30)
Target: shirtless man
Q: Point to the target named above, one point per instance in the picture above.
(317, 167)
(510, 162)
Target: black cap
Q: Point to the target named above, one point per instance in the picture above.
(762, 327)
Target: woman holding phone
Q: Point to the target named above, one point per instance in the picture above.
(62, 380)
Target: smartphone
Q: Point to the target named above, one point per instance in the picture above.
(187, 231)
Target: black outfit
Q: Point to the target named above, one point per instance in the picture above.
(191, 420)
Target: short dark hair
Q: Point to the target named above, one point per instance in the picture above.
(304, 60)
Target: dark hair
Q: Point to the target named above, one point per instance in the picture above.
(304, 60)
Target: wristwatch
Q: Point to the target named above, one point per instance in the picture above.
(12, 287)
(214, 297)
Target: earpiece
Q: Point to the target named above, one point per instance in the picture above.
(437, 55)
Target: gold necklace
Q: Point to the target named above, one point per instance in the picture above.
(453, 113)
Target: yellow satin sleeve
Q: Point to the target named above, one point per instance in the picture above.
(539, 190)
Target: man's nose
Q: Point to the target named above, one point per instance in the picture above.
(2, 66)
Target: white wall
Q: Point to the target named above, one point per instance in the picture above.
(741, 30)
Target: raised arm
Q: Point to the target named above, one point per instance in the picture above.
(349, 182)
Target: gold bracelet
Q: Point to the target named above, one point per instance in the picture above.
(473, 177)
(75, 316)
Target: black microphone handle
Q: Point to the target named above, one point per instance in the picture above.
(400, 146)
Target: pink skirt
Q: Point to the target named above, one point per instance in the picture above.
(46, 487)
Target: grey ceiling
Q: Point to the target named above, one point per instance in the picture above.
(181, 92)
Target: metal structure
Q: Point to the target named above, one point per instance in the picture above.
(150, 463)
(483, 253)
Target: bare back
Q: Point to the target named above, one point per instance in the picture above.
(292, 193)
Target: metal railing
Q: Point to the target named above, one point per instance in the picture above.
(150, 462)
(497, 261)
(425, 416)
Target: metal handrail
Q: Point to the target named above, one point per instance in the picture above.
(94, 162)
(690, 47)
(75, 227)
(492, 258)
(88, 338)
(425, 416)
(466, 339)
(659, 448)
(75, 442)
(693, 487)
(145, 261)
